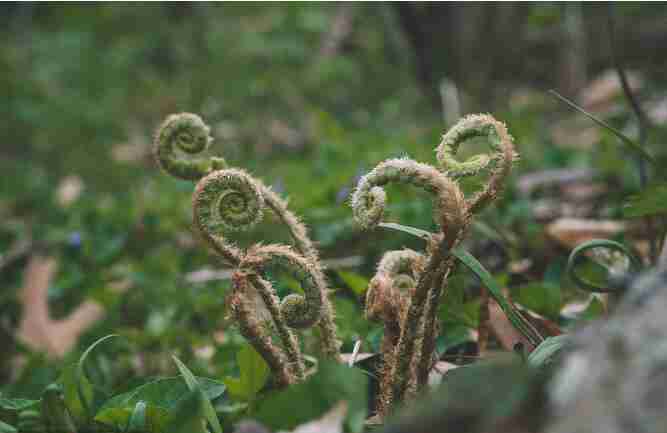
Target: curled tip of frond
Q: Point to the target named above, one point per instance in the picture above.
(227, 200)
(388, 290)
(178, 141)
(475, 125)
(298, 311)
(369, 199)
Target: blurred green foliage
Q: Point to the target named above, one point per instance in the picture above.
(87, 86)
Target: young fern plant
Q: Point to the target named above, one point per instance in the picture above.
(228, 200)
(406, 290)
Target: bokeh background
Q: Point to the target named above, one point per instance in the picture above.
(308, 97)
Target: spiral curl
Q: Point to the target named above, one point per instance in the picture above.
(228, 199)
(411, 324)
(177, 141)
(296, 310)
(369, 199)
(499, 162)
(388, 290)
(386, 301)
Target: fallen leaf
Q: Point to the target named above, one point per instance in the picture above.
(528, 183)
(330, 422)
(69, 190)
(502, 329)
(37, 329)
(602, 91)
(570, 232)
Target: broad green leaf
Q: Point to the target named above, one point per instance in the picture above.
(547, 351)
(254, 374)
(164, 393)
(156, 418)
(187, 416)
(303, 402)
(194, 386)
(16, 404)
(651, 201)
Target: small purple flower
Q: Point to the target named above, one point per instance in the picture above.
(360, 173)
(278, 186)
(342, 194)
(74, 239)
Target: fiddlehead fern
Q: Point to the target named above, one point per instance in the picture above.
(227, 200)
(297, 311)
(499, 162)
(178, 141)
(408, 361)
(386, 301)
(369, 199)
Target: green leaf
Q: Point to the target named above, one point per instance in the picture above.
(72, 389)
(547, 352)
(16, 404)
(187, 416)
(651, 201)
(541, 297)
(422, 234)
(6, 428)
(156, 418)
(630, 144)
(600, 284)
(354, 281)
(54, 412)
(164, 393)
(254, 374)
(333, 382)
(515, 318)
(88, 397)
(137, 422)
(205, 403)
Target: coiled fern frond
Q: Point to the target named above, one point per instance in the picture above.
(410, 316)
(227, 200)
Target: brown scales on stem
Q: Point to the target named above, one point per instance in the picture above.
(411, 325)
(229, 199)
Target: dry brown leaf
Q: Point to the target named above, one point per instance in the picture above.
(570, 232)
(330, 422)
(37, 329)
(69, 190)
(601, 93)
(359, 357)
(529, 182)
(503, 330)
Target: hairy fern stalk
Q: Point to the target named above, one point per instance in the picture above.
(405, 292)
(227, 200)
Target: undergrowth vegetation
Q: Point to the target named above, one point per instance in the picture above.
(264, 274)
